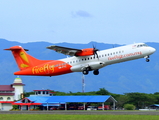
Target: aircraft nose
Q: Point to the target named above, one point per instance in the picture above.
(152, 50)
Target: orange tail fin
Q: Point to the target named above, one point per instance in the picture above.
(23, 59)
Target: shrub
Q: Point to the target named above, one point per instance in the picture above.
(129, 107)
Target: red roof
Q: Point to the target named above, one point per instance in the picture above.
(6, 94)
(6, 88)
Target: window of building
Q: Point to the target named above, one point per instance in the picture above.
(8, 98)
(1, 98)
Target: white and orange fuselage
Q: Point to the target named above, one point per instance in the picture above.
(81, 62)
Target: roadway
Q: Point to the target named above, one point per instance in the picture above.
(77, 112)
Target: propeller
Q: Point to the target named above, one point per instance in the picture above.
(26, 49)
(95, 51)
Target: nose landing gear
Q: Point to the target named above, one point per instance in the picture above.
(147, 58)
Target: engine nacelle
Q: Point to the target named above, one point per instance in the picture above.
(85, 52)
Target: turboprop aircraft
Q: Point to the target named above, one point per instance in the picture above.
(81, 60)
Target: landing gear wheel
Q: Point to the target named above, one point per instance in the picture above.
(147, 60)
(88, 68)
(96, 72)
(85, 72)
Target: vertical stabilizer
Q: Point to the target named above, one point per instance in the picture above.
(23, 59)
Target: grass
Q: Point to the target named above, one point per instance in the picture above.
(76, 117)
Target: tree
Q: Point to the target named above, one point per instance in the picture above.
(141, 100)
(122, 99)
(102, 91)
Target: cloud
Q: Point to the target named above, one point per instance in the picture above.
(81, 13)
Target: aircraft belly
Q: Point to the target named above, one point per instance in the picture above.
(92, 65)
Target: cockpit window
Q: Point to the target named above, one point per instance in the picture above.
(142, 45)
(145, 45)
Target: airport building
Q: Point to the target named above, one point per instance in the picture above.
(10, 93)
(44, 100)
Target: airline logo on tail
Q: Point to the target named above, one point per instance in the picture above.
(24, 57)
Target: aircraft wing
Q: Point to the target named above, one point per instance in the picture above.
(65, 50)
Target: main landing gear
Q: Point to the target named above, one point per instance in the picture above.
(96, 72)
(86, 71)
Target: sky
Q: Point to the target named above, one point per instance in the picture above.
(80, 21)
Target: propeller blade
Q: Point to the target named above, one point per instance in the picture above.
(95, 51)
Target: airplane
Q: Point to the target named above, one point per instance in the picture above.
(80, 60)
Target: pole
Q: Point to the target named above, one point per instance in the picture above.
(83, 84)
